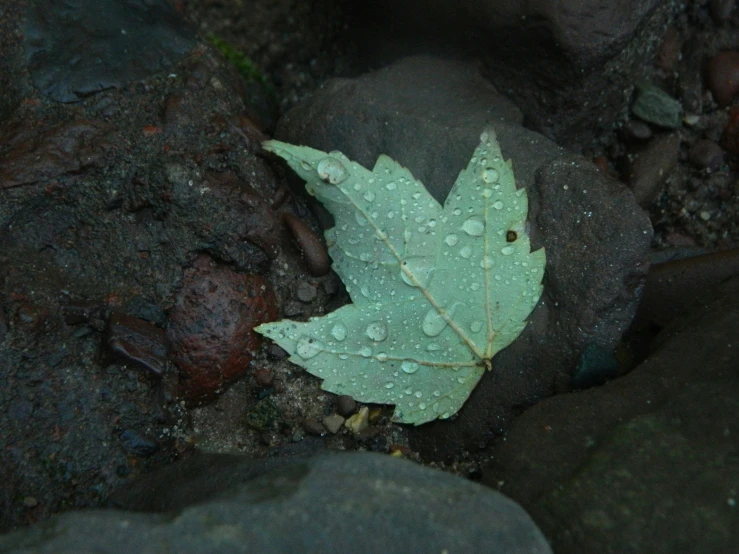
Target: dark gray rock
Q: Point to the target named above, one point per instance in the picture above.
(654, 105)
(647, 463)
(569, 66)
(77, 48)
(338, 503)
(428, 114)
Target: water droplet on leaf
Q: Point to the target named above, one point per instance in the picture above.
(490, 175)
(473, 227)
(332, 171)
(339, 331)
(418, 269)
(452, 239)
(377, 331)
(307, 347)
(361, 220)
(409, 367)
(433, 323)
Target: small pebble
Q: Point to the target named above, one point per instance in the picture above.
(333, 423)
(264, 377)
(359, 421)
(375, 414)
(306, 292)
(691, 120)
(277, 352)
(654, 105)
(138, 341)
(706, 154)
(637, 130)
(314, 251)
(282, 195)
(730, 139)
(314, 427)
(722, 75)
(668, 53)
(330, 284)
(30, 502)
(346, 405)
(677, 239)
(651, 167)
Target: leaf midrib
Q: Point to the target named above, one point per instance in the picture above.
(408, 273)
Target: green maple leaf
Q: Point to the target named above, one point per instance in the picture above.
(436, 292)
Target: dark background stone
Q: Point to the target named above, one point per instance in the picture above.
(76, 48)
(339, 503)
(647, 463)
(570, 69)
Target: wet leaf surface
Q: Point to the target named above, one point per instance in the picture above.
(436, 291)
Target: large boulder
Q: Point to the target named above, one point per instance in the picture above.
(569, 66)
(357, 502)
(647, 463)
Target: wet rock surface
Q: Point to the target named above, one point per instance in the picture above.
(595, 235)
(592, 51)
(343, 502)
(109, 198)
(662, 440)
(73, 51)
(104, 203)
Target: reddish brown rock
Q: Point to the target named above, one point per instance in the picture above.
(722, 74)
(138, 341)
(311, 246)
(211, 327)
(730, 139)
